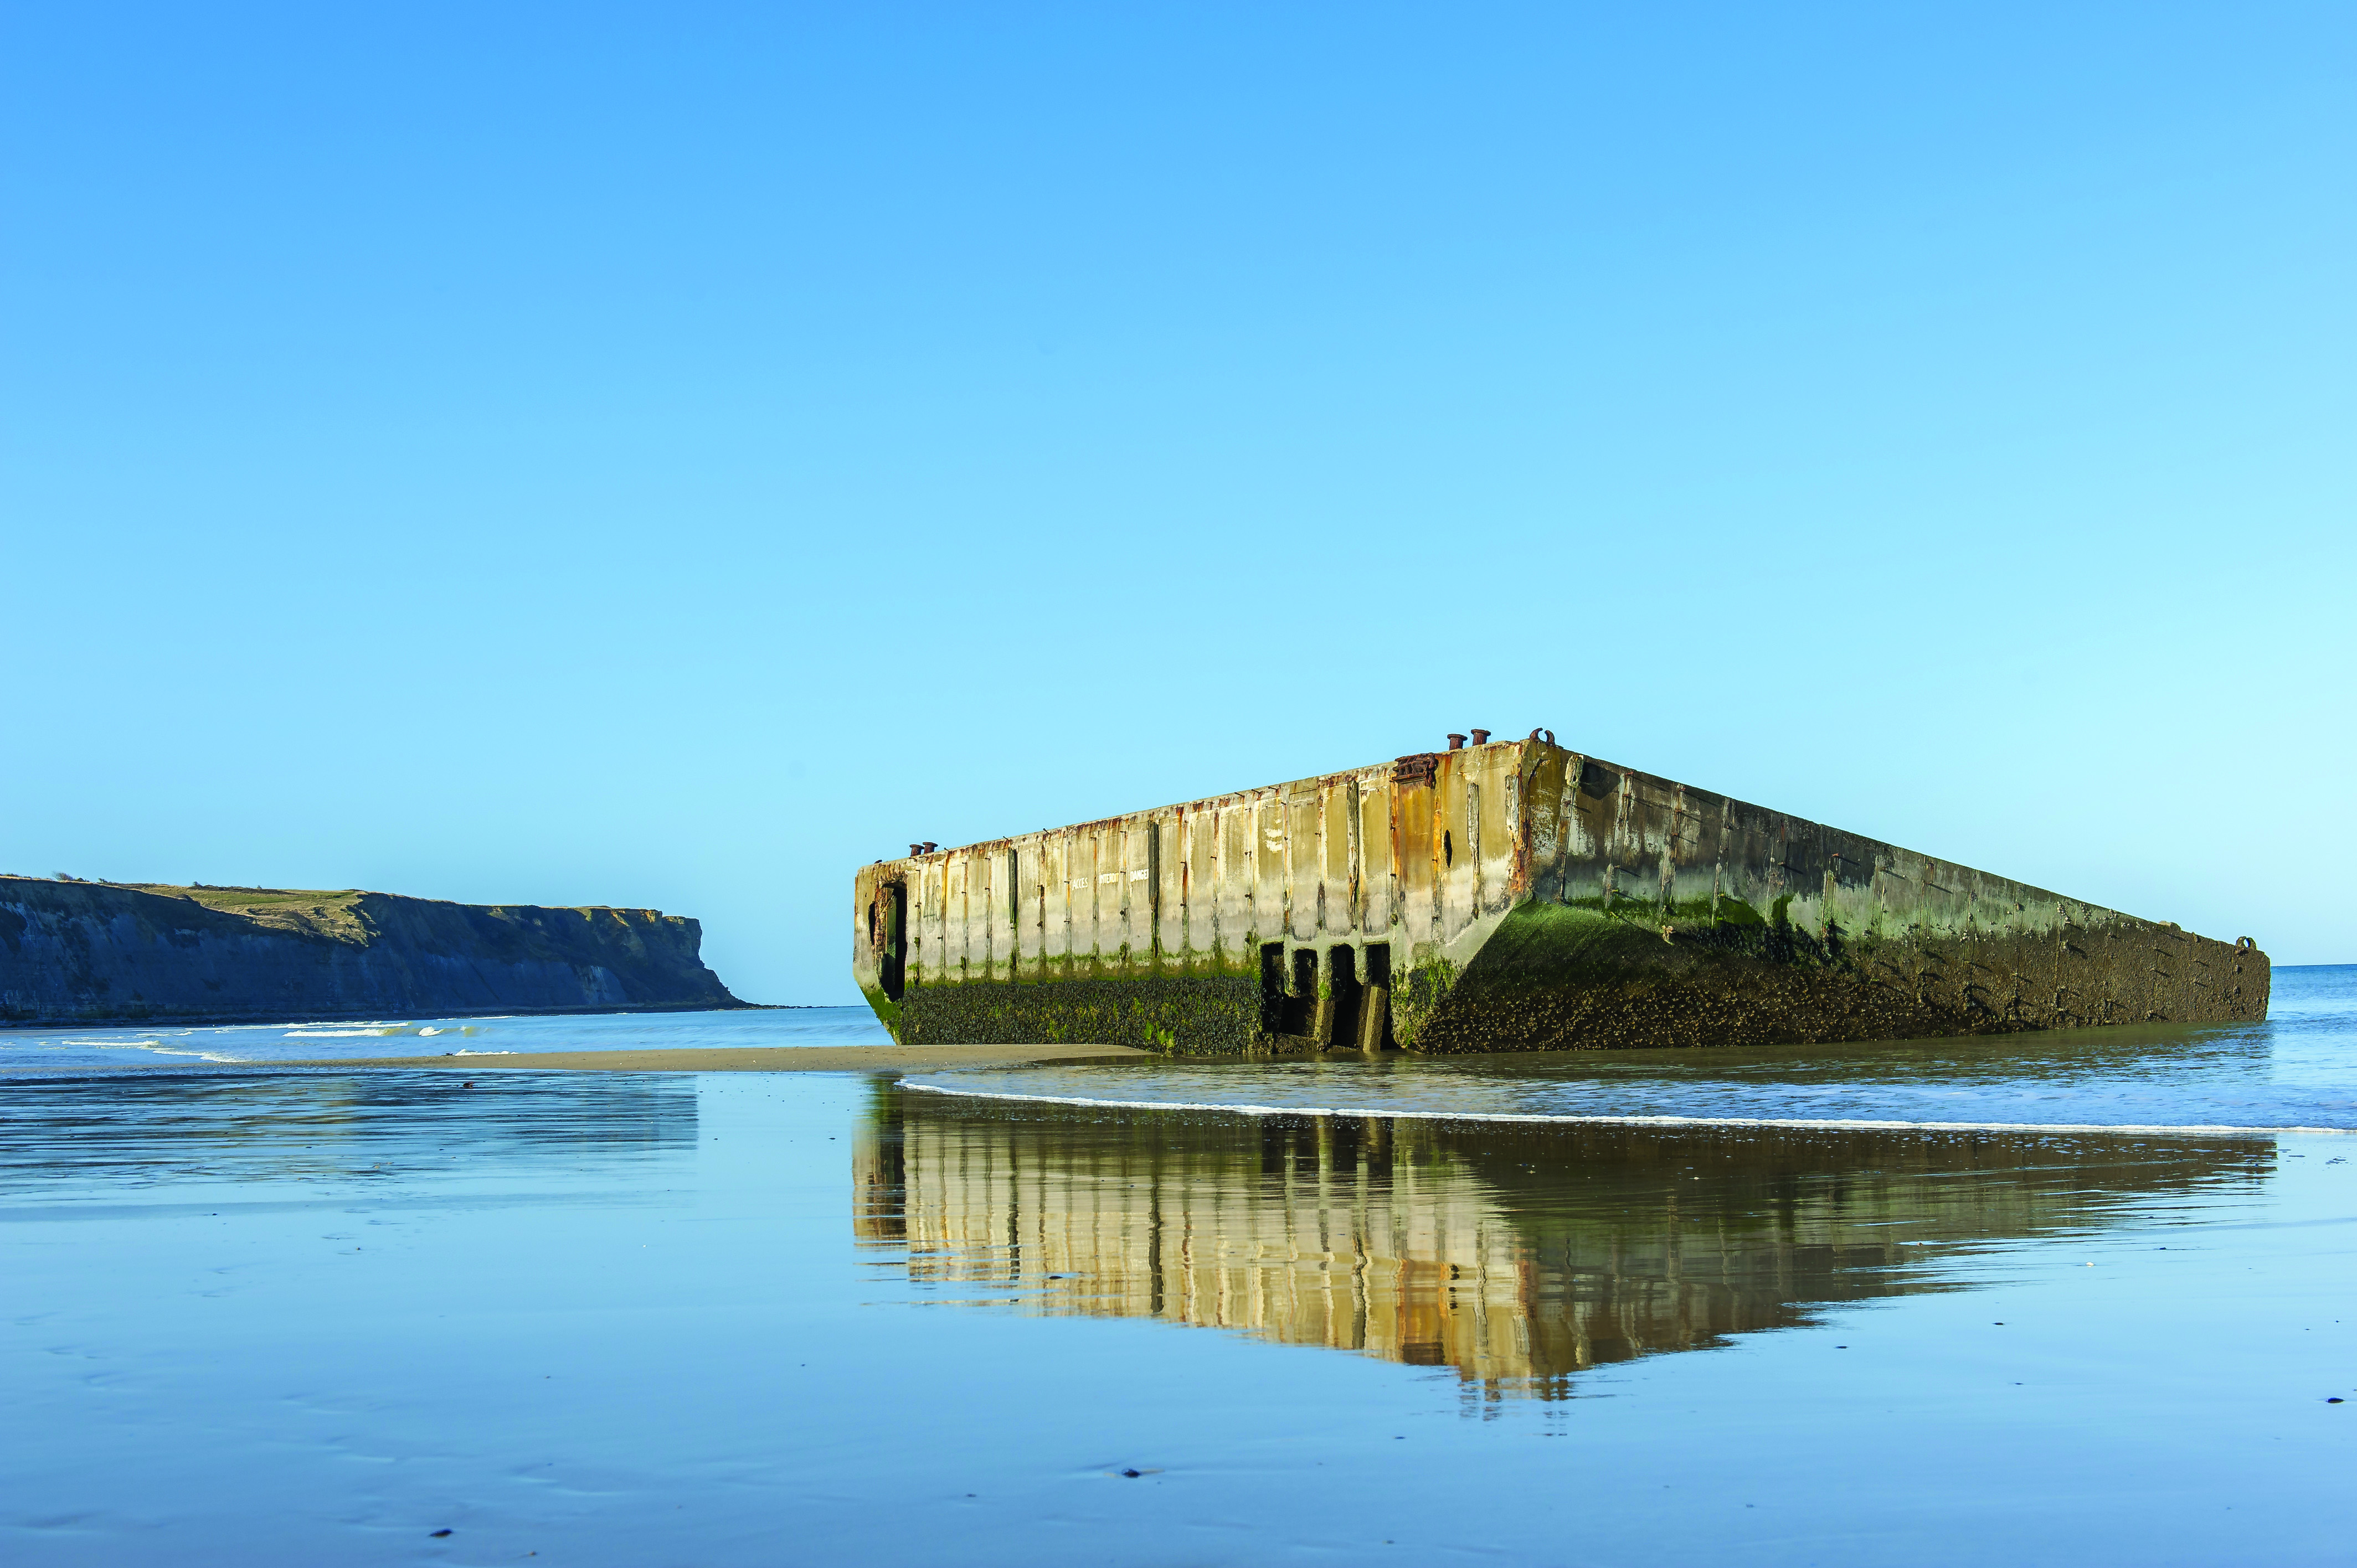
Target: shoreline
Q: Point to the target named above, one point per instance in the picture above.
(737, 1059)
(274, 1020)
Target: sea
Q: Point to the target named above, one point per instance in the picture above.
(2030, 1299)
(117, 1047)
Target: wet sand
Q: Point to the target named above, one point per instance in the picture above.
(617, 1317)
(786, 1058)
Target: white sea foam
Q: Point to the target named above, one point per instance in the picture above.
(163, 1051)
(1794, 1123)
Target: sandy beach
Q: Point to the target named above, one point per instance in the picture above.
(790, 1058)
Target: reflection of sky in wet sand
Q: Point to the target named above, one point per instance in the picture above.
(1516, 1255)
(179, 1139)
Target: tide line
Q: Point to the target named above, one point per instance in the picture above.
(1816, 1124)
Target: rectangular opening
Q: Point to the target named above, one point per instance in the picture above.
(1301, 1000)
(1375, 1001)
(887, 928)
(1271, 988)
(1342, 980)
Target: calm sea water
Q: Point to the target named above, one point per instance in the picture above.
(51, 1049)
(258, 1316)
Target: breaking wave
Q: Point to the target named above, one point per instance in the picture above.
(1823, 1123)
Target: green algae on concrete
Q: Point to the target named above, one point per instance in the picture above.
(1508, 897)
(1191, 1015)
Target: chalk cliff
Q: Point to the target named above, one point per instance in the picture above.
(95, 951)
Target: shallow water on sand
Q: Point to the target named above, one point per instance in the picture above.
(745, 1318)
(2295, 1070)
(54, 1048)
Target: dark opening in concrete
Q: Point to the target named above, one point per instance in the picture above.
(1301, 998)
(1271, 988)
(890, 915)
(1375, 1001)
(1343, 977)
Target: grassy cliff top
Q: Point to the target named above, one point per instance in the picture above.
(322, 913)
(335, 913)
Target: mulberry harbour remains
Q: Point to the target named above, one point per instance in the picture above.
(1514, 896)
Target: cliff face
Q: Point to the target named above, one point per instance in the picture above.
(102, 951)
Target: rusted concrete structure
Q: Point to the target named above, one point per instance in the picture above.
(1507, 897)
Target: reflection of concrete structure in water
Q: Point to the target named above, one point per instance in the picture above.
(1516, 1255)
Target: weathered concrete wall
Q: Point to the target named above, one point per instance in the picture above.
(94, 952)
(1508, 897)
(1661, 915)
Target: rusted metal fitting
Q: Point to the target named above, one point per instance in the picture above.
(916, 849)
(931, 846)
(1455, 742)
(1548, 734)
(1480, 738)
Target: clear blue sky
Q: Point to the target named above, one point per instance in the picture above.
(672, 455)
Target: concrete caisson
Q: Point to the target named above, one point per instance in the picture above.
(1509, 896)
